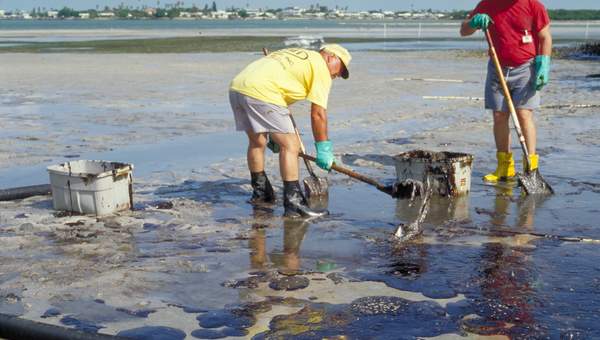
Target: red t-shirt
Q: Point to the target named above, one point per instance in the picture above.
(511, 19)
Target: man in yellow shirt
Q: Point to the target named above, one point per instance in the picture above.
(260, 96)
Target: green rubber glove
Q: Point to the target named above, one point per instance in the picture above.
(542, 71)
(324, 154)
(480, 21)
(272, 145)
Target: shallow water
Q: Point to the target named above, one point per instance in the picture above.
(195, 258)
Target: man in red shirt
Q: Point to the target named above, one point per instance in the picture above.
(520, 31)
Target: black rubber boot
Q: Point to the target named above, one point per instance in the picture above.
(262, 191)
(295, 203)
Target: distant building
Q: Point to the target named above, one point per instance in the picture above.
(106, 15)
(185, 15)
(336, 14)
(376, 15)
(84, 15)
(2, 13)
(220, 15)
(52, 14)
(293, 12)
(268, 15)
(315, 15)
(364, 15)
(150, 11)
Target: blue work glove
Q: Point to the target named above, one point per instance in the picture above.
(542, 71)
(324, 154)
(272, 145)
(480, 21)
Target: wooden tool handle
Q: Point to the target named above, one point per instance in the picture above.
(511, 105)
(350, 173)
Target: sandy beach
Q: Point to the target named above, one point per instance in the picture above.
(196, 257)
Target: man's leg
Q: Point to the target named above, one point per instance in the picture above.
(288, 155)
(262, 191)
(530, 134)
(528, 128)
(257, 142)
(506, 163)
(502, 131)
(294, 202)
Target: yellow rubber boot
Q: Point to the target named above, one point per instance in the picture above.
(505, 169)
(533, 163)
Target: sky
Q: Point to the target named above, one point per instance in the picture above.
(352, 4)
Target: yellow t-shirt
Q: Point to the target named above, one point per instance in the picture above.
(285, 77)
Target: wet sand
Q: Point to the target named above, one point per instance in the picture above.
(209, 263)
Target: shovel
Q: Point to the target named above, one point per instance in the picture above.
(314, 186)
(531, 180)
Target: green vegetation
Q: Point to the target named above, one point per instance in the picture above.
(458, 15)
(163, 45)
(171, 45)
(227, 44)
(582, 14)
(67, 12)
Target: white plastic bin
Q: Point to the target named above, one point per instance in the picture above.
(92, 187)
(451, 171)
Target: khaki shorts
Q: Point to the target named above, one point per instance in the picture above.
(253, 115)
(520, 84)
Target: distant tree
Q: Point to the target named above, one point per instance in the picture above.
(243, 13)
(173, 13)
(563, 14)
(122, 12)
(67, 12)
(160, 13)
(460, 15)
(214, 7)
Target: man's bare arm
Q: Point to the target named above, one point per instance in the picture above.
(545, 41)
(466, 29)
(318, 119)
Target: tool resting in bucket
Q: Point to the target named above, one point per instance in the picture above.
(405, 189)
(314, 186)
(531, 180)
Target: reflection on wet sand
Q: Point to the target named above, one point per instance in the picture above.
(441, 209)
(507, 273)
(287, 260)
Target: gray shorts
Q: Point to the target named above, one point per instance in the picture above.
(256, 116)
(520, 84)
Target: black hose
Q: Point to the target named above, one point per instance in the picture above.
(12, 327)
(24, 192)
